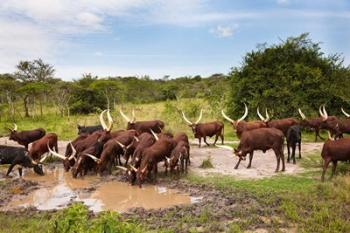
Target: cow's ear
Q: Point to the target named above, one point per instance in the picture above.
(10, 130)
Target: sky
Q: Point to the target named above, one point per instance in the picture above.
(161, 37)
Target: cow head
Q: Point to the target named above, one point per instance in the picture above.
(68, 161)
(130, 173)
(233, 122)
(13, 132)
(131, 123)
(37, 166)
(192, 125)
(238, 152)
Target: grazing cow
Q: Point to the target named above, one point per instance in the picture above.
(152, 155)
(293, 138)
(142, 126)
(39, 147)
(88, 129)
(70, 153)
(334, 151)
(204, 130)
(179, 155)
(26, 136)
(261, 139)
(181, 136)
(314, 123)
(240, 125)
(18, 156)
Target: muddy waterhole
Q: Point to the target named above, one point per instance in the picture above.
(57, 189)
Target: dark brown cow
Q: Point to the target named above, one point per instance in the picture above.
(331, 123)
(152, 155)
(40, 147)
(26, 136)
(204, 130)
(142, 126)
(240, 125)
(334, 151)
(70, 154)
(313, 123)
(179, 154)
(261, 139)
(145, 140)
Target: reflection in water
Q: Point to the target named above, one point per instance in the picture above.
(59, 189)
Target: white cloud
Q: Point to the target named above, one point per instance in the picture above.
(283, 2)
(90, 20)
(223, 31)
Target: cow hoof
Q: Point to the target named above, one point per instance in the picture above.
(294, 162)
(236, 167)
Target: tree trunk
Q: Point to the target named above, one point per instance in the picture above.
(26, 110)
(41, 106)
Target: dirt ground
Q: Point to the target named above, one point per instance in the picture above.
(223, 160)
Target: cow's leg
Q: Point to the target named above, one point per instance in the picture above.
(155, 170)
(250, 159)
(205, 140)
(325, 166)
(166, 167)
(239, 160)
(10, 168)
(222, 138)
(20, 169)
(333, 168)
(293, 152)
(282, 159)
(199, 141)
(299, 146)
(216, 138)
(278, 157)
(126, 160)
(288, 145)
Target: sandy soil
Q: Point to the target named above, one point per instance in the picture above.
(223, 160)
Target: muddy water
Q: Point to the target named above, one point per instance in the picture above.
(58, 189)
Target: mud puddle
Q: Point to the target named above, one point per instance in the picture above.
(57, 189)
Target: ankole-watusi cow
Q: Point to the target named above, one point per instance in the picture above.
(82, 129)
(281, 124)
(331, 123)
(26, 137)
(18, 156)
(152, 155)
(39, 147)
(261, 139)
(293, 139)
(240, 125)
(70, 153)
(313, 123)
(142, 126)
(204, 130)
(334, 151)
(179, 158)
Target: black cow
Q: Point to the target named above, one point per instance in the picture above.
(88, 129)
(18, 156)
(293, 138)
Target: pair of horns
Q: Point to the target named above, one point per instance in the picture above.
(110, 120)
(127, 119)
(323, 112)
(267, 116)
(125, 169)
(240, 119)
(189, 122)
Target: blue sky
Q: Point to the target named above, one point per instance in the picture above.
(159, 37)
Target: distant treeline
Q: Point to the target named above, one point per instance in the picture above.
(282, 77)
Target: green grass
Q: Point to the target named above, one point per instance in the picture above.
(206, 163)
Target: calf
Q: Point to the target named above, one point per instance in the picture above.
(179, 155)
(261, 139)
(334, 151)
(88, 129)
(204, 130)
(18, 156)
(240, 125)
(26, 137)
(40, 147)
(293, 138)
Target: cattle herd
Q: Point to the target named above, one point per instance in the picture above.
(144, 144)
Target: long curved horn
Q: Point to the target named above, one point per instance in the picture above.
(133, 168)
(122, 168)
(185, 118)
(93, 157)
(154, 135)
(301, 114)
(74, 152)
(200, 117)
(55, 153)
(167, 159)
(330, 137)
(130, 145)
(15, 127)
(180, 157)
(110, 120)
(102, 121)
(259, 114)
(133, 116)
(245, 113)
(345, 113)
(267, 115)
(43, 159)
(324, 111)
(120, 144)
(136, 138)
(124, 116)
(320, 111)
(226, 117)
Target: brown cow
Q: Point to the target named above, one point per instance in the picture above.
(261, 139)
(334, 151)
(240, 125)
(179, 155)
(142, 126)
(281, 124)
(26, 137)
(152, 155)
(204, 130)
(330, 123)
(40, 147)
(313, 123)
